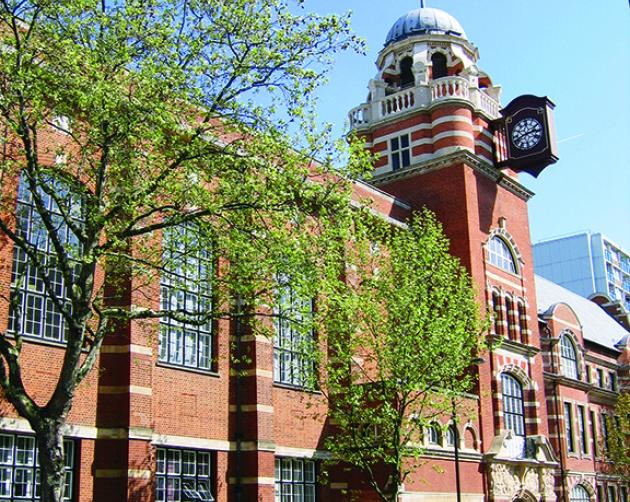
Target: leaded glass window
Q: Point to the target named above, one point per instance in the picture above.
(294, 342)
(36, 309)
(19, 468)
(185, 290)
(295, 480)
(500, 255)
(184, 475)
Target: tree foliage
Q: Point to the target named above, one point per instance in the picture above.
(402, 327)
(133, 117)
(619, 436)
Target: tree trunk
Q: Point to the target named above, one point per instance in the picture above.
(51, 460)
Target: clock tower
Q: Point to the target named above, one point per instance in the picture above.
(441, 139)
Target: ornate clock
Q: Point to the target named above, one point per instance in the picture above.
(527, 133)
(526, 130)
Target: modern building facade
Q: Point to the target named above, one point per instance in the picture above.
(154, 423)
(586, 263)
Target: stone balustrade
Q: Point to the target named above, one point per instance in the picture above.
(448, 88)
(423, 96)
(396, 103)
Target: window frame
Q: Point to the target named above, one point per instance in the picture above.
(569, 429)
(584, 496)
(184, 286)
(284, 487)
(31, 465)
(294, 364)
(501, 255)
(512, 394)
(434, 438)
(43, 316)
(400, 151)
(181, 475)
(569, 361)
(581, 427)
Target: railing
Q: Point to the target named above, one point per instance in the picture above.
(449, 87)
(441, 89)
(399, 102)
(488, 105)
(359, 116)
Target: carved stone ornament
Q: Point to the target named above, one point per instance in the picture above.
(548, 483)
(531, 481)
(503, 480)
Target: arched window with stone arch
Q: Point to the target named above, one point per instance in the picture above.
(580, 494)
(513, 404)
(568, 357)
(439, 65)
(451, 436)
(433, 434)
(500, 255)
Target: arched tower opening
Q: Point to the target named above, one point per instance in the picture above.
(439, 65)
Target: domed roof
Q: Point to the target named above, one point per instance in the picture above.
(424, 20)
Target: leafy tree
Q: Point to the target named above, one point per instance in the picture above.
(403, 328)
(619, 435)
(128, 119)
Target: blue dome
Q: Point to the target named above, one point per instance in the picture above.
(425, 20)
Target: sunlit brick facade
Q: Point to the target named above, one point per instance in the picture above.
(150, 423)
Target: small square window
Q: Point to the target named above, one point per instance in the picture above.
(400, 152)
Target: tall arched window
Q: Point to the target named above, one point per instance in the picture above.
(568, 358)
(451, 436)
(440, 69)
(433, 434)
(406, 75)
(513, 408)
(579, 494)
(499, 254)
(498, 313)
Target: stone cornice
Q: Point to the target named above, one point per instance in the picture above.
(460, 156)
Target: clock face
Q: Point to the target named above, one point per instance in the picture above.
(527, 133)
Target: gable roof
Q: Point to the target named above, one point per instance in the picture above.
(597, 326)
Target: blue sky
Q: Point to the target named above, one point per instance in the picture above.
(576, 52)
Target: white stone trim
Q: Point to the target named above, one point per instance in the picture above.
(289, 451)
(483, 145)
(254, 481)
(452, 134)
(190, 442)
(519, 287)
(263, 408)
(452, 118)
(454, 148)
(124, 389)
(256, 372)
(125, 349)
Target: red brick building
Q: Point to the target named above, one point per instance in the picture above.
(153, 423)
